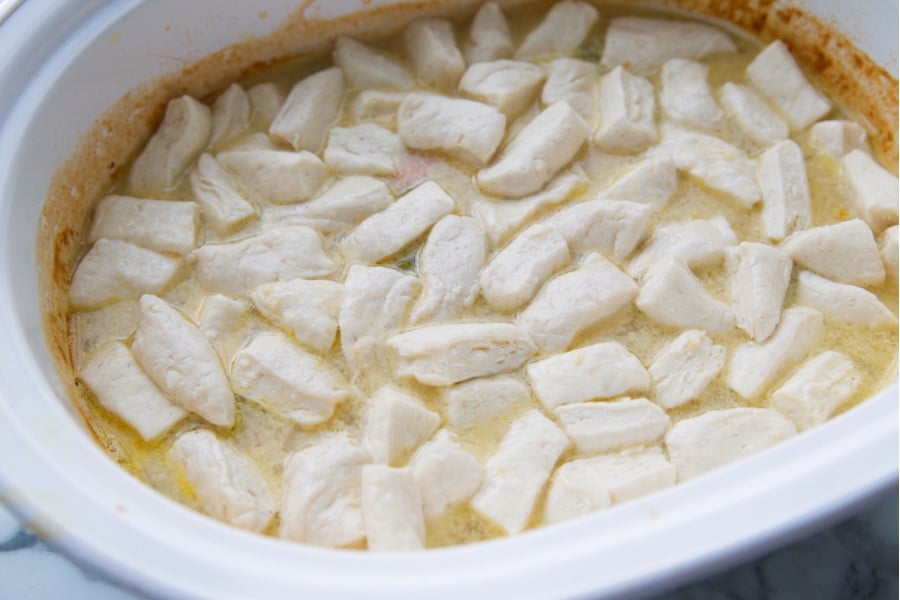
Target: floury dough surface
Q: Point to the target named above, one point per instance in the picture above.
(424, 293)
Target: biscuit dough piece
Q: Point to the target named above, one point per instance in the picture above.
(754, 366)
(671, 295)
(781, 173)
(718, 437)
(561, 32)
(684, 368)
(509, 85)
(238, 268)
(685, 95)
(446, 474)
(515, 274)
(230, 114)
(603, 370)
(223, 206)
(121, 387)
(627, 106)
(571, 80)
(489, 35)
(227, 483)
(280, 376)
(367, 68)
(517, 472)
(396, 424)
(700, 243)
(442, 355)
(431, 43)
(321, 498)
(478, 401)
(547, 144)
(306, 308)
(392, 509)
(752, 115)
(646, 44)
(389, 231)
(817, 389)
(837, 139)
(775, 73)
(760, 278)
(845, 303)
(873, 190)
(158, 225)
(113, 270)
(845, 252)
(585, 485)
(597, 427)
(274, 175)
(180, 138)
(574, 301)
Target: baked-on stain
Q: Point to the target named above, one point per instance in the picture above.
(115, 139)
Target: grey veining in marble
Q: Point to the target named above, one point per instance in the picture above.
(855, 560)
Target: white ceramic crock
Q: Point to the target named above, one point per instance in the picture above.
(61, 63)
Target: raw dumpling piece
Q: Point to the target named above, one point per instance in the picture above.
(340, 207)
(227, 483)
(845, 303)
(446, 474)
(627, 109)
(517, 472)
(516, 273)
(837, 139)
(478, 401)
(279, 254)
(310, 110)
(684, 368)
(536, 154)
(308, 309)
(266, 100)
(449, 263)
(509, 85)
(159, 225)
(230, 114)
(752, 115)
(671, 295)
(389, 231)
(179, 359)
(718, 437)
(775, 73)
(122, 388)
(392, 509)
(781, 173)
(573, 301)
(699, 243)
(888, 247)
(716, 163)
(572, 81)
(845, 252)
(276, 374)
(113, 270)
(396, 424)
(446, 354)
(376, 300)
(561, 32)
(873, 190)
(502, 218)
(431, 44)
(646, 44)
(754, 367)
(321, 500)
(180, 138)
(378, 106)
(219, 317)
(276, 176)
(608, 226)
(597, 427)
(653, 181)
(817, 389)
(468, 130)
(585, 485)
(367, 68)
(603, 370)
(366, 149)
(685, 95)
(490, 36)
(222, 205)
(760, 278)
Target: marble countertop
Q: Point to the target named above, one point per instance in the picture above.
(854, 560)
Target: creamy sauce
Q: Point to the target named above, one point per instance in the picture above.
(268, 439)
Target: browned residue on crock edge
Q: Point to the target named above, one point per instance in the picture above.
(115, 138)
